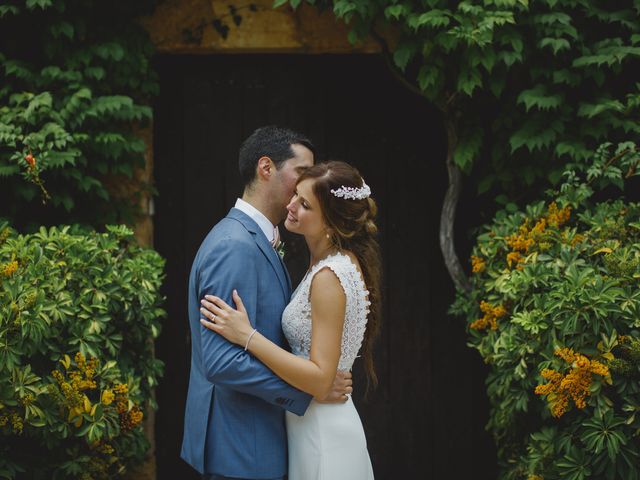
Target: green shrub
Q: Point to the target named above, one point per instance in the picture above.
(78, 314)
(555, 312)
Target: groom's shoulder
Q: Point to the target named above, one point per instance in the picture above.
(227, 235)
(229, 228)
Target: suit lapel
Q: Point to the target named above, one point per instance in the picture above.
(265, 247)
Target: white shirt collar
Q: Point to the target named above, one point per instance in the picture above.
(257, 216)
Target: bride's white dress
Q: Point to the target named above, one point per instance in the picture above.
(328, 442)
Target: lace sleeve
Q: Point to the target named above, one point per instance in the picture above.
(296, 319)
(357, 307)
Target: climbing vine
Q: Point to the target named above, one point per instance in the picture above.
(74, 91)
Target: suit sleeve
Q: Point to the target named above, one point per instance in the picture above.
(231, 265)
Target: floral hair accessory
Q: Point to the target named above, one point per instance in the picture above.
(353, 193)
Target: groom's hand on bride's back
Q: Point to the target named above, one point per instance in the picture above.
(342, 388)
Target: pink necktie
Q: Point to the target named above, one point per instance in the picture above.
(276, 238)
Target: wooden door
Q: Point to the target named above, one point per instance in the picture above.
(426, 418)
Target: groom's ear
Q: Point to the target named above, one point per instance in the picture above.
(265, 168)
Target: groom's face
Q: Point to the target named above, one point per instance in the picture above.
(289, 172)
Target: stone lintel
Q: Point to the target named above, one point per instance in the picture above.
(209, 26)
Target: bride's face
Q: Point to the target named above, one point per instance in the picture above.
(304, 215)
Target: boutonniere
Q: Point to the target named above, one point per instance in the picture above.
(280, 249)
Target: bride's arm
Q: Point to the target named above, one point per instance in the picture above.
(315, 375)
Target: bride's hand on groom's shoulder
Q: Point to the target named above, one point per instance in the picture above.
(342, 389)
(232, 324)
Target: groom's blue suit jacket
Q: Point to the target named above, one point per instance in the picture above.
(234, 418)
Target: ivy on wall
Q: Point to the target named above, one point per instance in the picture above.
(526, 87)
(72, 88)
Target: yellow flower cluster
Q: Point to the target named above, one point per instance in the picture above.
(522, 241)
(514, 258)
(105, 448)
(8, 269)
(129, 420)
(4, 234)
(574, 385)
(27, 400)
(122, 401)
(121, 388)
(78, 381)
(577, 239)
(73, 385)
(107, 397)
(72, 397)
(97, 468)
(15, 419)
(558, 216)
(490, 317)
(83, 377)
(477, 264)
(103, 456)
(535, 477)
(16, 423)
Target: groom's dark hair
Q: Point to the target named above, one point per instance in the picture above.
(270, 141)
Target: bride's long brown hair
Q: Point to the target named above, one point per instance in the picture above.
(353, 228)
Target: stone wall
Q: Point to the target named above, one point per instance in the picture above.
(208, 26)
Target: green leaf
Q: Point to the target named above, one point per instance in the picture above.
(591, 110)
(556, 44)
(535, 135)
(553, 18)
(510, 58)
(429, 78)
(566, 76)
(395, 11)
(468, 80)
(62, 28)
(434, 19)
(486, 183)
(59, 159)
(403, 54)
(110, 50)
(609, 54)
(497, 84)
(42, 4)
(6, 10)
(468, 149)
(487, 59)
(8, 170)
(539, 97)
(341, 8)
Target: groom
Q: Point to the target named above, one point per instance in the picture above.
(234, 418)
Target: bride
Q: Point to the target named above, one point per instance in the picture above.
(334, 311)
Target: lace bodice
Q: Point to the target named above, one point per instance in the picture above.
(296, 318)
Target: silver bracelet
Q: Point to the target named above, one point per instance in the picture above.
(249, 339)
